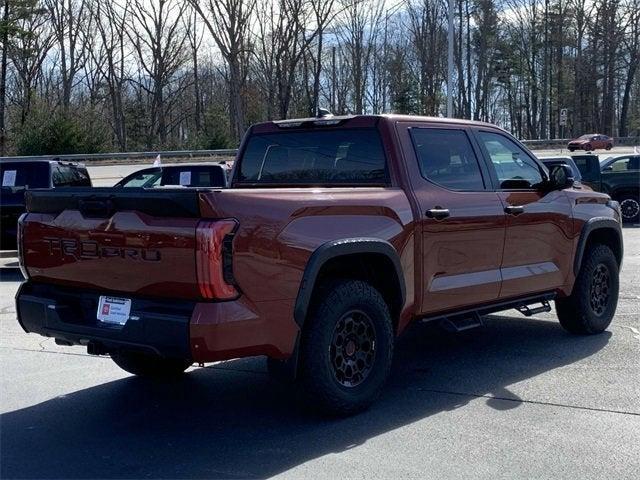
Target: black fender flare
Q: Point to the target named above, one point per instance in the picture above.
(591, 225)
(337, 248)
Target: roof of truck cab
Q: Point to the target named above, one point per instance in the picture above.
(41, 160)
(363, 120)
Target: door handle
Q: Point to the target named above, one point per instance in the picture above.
(438, 213)
(514, 209)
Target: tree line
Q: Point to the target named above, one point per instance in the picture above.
(101, 75)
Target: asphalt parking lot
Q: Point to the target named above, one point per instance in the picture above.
(516, 398)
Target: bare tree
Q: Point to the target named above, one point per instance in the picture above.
(358, 32)
(631, 59)
(228, 22)
(158, 38)
(109, 19)
(68, 21)
(30, 47)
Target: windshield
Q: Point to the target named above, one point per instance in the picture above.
(143, 178)
(25, 174)
(330, 157)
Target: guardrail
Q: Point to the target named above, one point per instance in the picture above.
(80, 157)
(554, 142)
(231, 152)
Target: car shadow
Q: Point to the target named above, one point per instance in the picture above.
(231, 420)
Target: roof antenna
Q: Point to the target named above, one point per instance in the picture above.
(324, 113)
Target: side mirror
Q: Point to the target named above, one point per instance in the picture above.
(560, 177)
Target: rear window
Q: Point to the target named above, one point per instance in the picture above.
(25, 174)
(349, 156)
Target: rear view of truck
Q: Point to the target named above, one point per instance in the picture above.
(160, 278)
(121, 272)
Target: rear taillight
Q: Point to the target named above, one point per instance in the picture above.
(214, 244)
(20, 240)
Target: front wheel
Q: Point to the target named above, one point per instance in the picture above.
(153, 366)
(588, 147)
(572, 149)
(609, 147)
(347, 348)
(629, 207)
(591, 306)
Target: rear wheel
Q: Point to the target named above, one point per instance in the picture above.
(347, 348)
(145, 365)
(629, 207)
(588, 147)
(591, 306)
(609, 146)
(572, 149)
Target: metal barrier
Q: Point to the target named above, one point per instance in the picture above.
(557, 142)
(231, 152)
(79, 157)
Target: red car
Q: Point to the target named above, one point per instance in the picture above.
(593, 141)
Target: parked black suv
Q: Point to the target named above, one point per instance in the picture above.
(19, 176)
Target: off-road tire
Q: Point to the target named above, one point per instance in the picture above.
(576, 312)
(150, 366)
(629, 204)
(346, 303)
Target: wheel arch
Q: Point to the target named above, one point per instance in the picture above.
(364, 258)
(605, 231)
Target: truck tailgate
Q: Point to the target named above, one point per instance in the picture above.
(112, 239)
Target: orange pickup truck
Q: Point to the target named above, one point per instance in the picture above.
(334, 235)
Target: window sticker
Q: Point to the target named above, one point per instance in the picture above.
(9, 178)
(185, 178)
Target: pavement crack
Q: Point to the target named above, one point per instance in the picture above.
(534, 402)
(634, 331)
(58, 353)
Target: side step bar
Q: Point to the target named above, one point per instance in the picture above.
(527, 311)
(461, 323)
(458, 321)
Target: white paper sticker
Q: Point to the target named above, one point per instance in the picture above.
(114, 310)
(9, 178)
(185, 178)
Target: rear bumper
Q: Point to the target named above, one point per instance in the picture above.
(156, 326)
(200, 331)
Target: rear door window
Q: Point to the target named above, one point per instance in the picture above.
(446, 157)
(331, 157)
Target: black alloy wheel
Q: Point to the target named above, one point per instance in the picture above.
(353, 348)
(600, 290)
